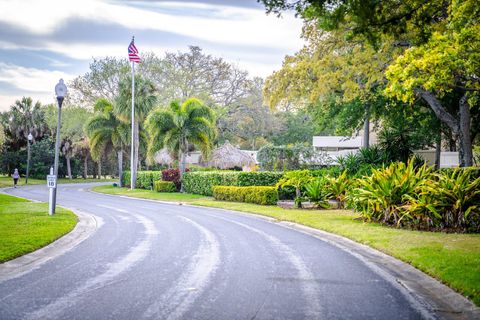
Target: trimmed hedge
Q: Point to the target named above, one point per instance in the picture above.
(164, 186)
(145, 179)
(254, 194)
(201, 182)
(265, 178)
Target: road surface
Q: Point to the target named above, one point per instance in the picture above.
(165, 261)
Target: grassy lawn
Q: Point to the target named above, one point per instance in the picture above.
(8, 181)
(26, 226)
(148, 194)
(454, 259)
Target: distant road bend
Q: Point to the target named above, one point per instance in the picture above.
(164, 261)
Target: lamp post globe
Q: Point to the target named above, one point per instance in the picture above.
(60, 92)
(29, 141)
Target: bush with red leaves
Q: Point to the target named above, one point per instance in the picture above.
(173, 175)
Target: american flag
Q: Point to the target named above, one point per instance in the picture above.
(133, 52)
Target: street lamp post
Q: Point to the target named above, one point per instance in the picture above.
(29, 141)
(60, 91)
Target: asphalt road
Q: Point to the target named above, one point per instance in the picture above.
(160, 261)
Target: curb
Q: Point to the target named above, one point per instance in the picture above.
(86, 225)
(426, 292)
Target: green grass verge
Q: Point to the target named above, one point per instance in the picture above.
(8, 181)
(148, 194)
(454, 259)
(26, 226)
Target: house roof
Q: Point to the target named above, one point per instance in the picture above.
(337, 142)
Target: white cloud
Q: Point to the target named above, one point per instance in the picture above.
(36, 83)
(222, 26)
(229, 26)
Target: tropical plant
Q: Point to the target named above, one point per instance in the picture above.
(179, 126)
(106, 132)
(383, 195)
(451, 201)
(145, 99)
(317, 192)
(26, 117)
(297, 179)
(338, 187)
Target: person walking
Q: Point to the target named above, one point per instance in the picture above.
(15, 176)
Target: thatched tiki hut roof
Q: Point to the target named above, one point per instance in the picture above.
(163, 157)
(228, 156)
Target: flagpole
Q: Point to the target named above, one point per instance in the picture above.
(132, 156)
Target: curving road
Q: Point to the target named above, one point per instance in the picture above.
(159, 261)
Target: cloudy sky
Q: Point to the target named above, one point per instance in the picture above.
(43, 41)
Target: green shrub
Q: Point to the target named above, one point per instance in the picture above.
(297, 179)
(333, 171)
(126, 178)
(201, 182)
(253, 194)
(383, 195)
(144, 180)
(265, 178)
(451, 201)
(337, 187)
(164, 186)
(316, 191)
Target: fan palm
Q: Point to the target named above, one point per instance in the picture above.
(106, 132)
(145, 100)
(177, 126)
(25, 118)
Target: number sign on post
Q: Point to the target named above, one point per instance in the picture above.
(52, 181)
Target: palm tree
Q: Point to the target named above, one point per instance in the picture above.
(106, 132)
(27, 118)
(180, 125)
(145, 99)
(82, 148)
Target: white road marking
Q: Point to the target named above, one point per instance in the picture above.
(176, 301)
(112, 208)
(136, 254)
(310, 288)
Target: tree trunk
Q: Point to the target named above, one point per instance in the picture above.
(85, 167)
(182, 158)
(366, 128)
(438, 150)
(465, 154)
(69, 168)
(100, 168)
(460, 129)
(440, 111)
(120, 167)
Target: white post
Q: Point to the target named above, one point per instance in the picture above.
(51, 200)
(132, 156)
